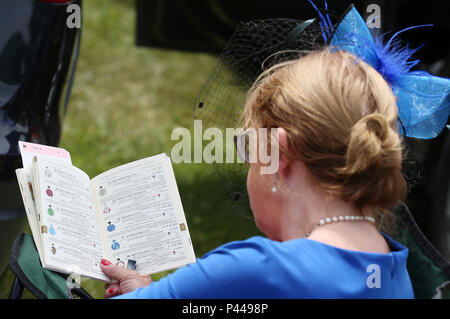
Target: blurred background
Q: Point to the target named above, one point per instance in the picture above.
(140, 66)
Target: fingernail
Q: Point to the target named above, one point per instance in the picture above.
(105, 262)
(111, 290)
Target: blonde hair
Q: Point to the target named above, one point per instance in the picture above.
(341, 120)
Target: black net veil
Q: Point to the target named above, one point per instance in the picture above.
(254, 47)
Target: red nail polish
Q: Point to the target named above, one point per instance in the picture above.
(105, 262)
(111, 290)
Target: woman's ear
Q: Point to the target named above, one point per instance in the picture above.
(284, 161)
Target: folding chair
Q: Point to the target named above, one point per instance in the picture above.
(428, 269)
(24, 262)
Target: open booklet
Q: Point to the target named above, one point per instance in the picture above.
(129, 215)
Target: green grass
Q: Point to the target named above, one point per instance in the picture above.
(124, 105)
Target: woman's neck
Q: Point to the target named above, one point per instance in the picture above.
(300, 217)
(302, 203)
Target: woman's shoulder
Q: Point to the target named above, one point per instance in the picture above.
(303, 253)
(261, 244)
(263, 253)
(253, 253)
(252, 245)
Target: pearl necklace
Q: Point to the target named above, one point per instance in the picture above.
(335, 219)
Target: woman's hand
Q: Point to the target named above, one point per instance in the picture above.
(127, 280)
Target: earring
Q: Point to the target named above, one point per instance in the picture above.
(274, 187)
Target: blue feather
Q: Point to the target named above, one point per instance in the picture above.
(324, 21)
(423, 99)
(392, 59)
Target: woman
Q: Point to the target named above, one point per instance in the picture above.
(339, 171)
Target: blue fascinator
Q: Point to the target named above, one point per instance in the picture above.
(423, 99)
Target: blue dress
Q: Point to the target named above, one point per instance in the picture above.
(301, 268)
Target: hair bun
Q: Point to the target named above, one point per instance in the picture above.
(377, 124)
(373, 145)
